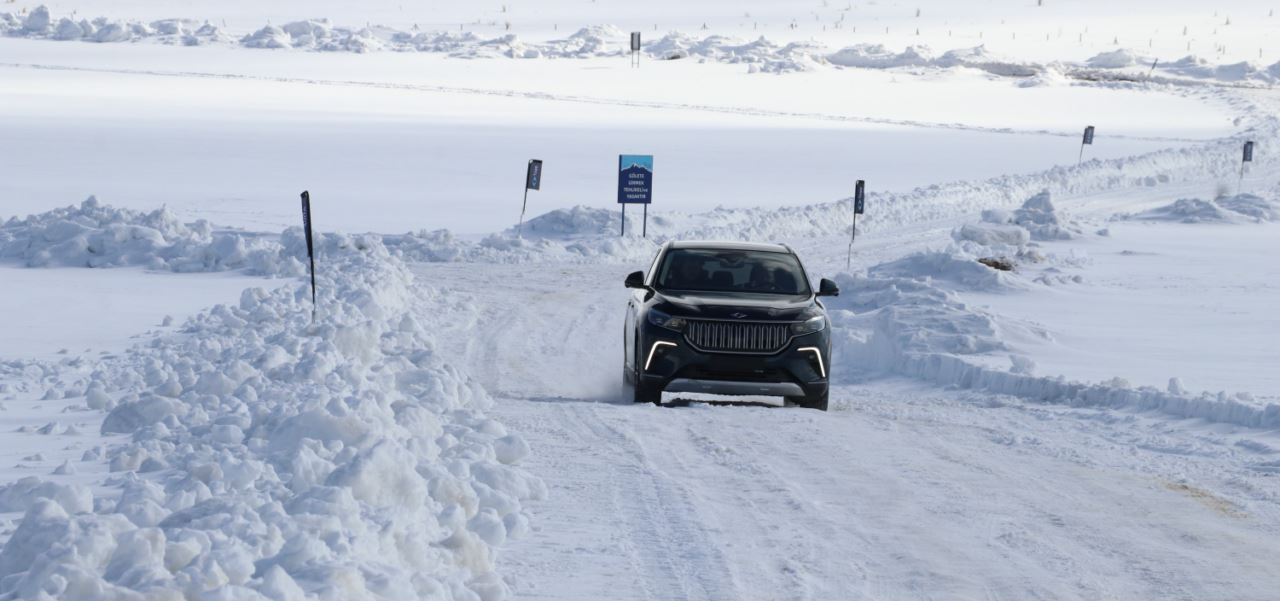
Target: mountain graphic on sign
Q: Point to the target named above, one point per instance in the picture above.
(628, 162)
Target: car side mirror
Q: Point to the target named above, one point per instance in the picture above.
(828, 288)
(635, 280)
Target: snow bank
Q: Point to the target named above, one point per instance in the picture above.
(912, 326)
(877, 56)
(1117, 59)
(1241, 208)
(39, 24)
(1009, 199)
(761, 55)
(978, 57)
(1137, 65)
(1020, 202)
(957, 268)
(269, 457)
(578, 234)
(96, 235)
(880, 319)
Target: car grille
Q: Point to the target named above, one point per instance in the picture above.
(738, 337)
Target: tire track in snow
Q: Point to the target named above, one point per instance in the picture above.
(626, 529)
(675, 547)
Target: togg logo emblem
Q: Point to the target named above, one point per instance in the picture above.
(737, 315)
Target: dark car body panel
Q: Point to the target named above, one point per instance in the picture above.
(662, 358)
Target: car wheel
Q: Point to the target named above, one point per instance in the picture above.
(641, 392)
(645, 393)
(817, 401)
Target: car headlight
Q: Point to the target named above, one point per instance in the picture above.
(809, 326)
(662, 320)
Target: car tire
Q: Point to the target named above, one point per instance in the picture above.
(640, 392)
(644, 393)
(817, 401)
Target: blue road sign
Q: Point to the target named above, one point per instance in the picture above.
(635, 179)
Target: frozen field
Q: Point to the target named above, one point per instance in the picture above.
(178, 421)
(1154, 306)
(446, 141)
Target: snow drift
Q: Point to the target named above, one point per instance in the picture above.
(901, 319)
(1241, 208)
(269, 457)
(96, 235)
(761, 55)
(1038, 217)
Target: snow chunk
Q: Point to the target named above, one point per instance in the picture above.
(37, 20)
(1228, 209)
(1039, 217)
(267, 37)
(22, 494)
(962, 271)
(877, 56)
(990, 234)
(511, 449)
(1116, 59)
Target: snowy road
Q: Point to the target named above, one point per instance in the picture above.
(440, 417)
(903, 491)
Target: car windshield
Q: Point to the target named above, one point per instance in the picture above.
(714, 270)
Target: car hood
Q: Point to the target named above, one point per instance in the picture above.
(711, 305)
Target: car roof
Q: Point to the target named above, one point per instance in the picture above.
(728, 245)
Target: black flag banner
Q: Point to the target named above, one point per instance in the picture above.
(532, 181)
(859, 205)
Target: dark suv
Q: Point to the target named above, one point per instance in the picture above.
(727, 318)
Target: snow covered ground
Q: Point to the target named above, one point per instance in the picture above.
(1152, 304)
(1103, 421)
(71, 304)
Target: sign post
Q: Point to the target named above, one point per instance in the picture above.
(859, 205)
(1248, 158)
(311, 257)
(532, 181)
(635, 49)
(1088, 139)
(635, 185)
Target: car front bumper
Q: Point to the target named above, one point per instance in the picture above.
(670, 363)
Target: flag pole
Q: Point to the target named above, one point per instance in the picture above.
(523, 206)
